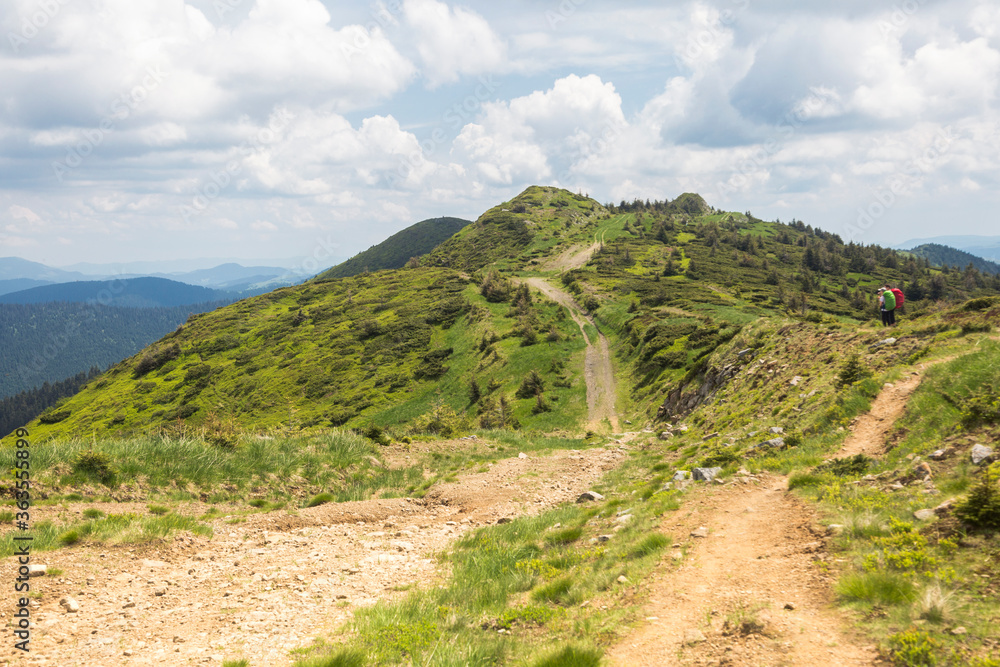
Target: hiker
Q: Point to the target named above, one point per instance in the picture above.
(887, 305)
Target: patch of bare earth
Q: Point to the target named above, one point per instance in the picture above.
(275, 581)
(753, 591)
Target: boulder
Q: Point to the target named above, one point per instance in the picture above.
(681, 475)
(70, 605)
(589, 496)
(925, 515)
(706, 474)
(776, 430)
(883, 343)
(981, 454)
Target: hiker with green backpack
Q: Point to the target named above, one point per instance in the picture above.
(887, 304)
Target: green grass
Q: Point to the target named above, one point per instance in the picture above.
(336, 460)
(112, 529)
(876, 588)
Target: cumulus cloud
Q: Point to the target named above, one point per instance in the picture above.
(452, 41)
(539, 136)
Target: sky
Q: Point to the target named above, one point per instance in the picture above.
(313, 129)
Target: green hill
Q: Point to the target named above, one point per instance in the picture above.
(942, 255)
(398, 249)
(670, 283)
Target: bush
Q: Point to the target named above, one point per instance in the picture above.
(852, 371)
(532, 385)
(591, 303)
(95, 465)
(54, 417)
(155, 359)
(852, 466)
(981, 509)
(914, 647)
(376, 435)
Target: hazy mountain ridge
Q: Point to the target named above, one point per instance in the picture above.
(941, 255)
(130, 293)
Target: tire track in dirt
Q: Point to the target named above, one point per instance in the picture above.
(274, 582)
(599, 372)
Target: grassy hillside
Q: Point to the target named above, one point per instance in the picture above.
(535, 224)
(385, 348)
(398, 249)
(942, 255)
(670, 282)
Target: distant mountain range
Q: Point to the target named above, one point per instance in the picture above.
(398, 249)
(942, 255)
(18, 274)
(986, 247)
(132, 293)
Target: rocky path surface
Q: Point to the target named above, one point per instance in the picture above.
(752, 587)
(869, 432)
(275, 581)
(598, 371)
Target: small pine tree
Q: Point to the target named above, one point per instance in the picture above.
(475, 393)
(852, 371)
(532, 385)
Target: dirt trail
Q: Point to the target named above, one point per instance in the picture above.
(275, 581)
(763, 560)
(869, 432)
(573, 257)
(598, 369)
(766, 555)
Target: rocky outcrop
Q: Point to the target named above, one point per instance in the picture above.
(680, 402)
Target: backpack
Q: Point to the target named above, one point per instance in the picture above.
(888, 300)
(898, 293)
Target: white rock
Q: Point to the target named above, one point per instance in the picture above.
(70, 605)
(37, 570)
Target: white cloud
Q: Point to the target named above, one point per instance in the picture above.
(23, 213)
(452, 42)
(535, 136)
